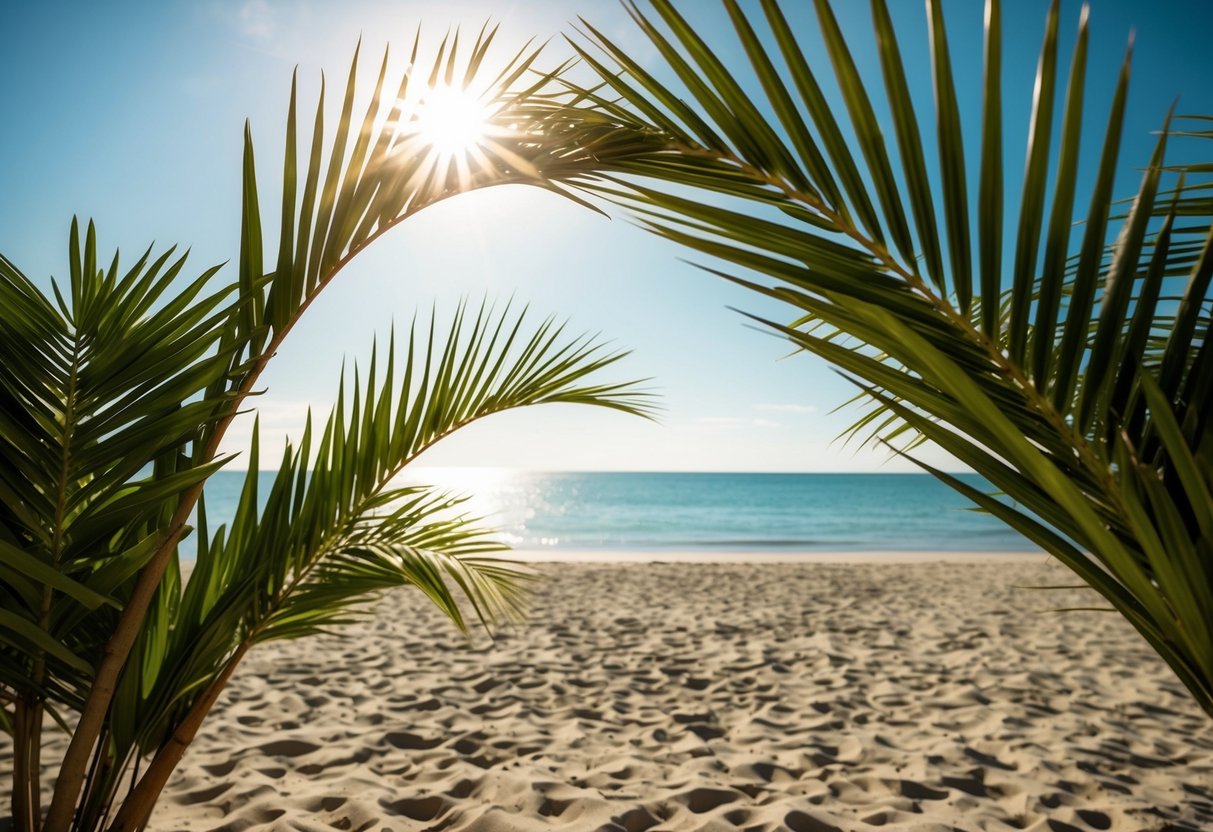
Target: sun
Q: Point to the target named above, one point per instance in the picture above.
(452, 122)
(452, 135)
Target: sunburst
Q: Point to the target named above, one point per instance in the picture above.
(455, 134)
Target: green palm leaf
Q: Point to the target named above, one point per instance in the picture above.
(99, 383)
(121, 387)
(92, 397)
(336, 530)
(1078, 381)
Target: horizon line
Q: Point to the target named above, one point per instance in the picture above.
(503, 468)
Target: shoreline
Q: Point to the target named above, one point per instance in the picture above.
(742, 556)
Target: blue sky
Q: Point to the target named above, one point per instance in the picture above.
(133, 116)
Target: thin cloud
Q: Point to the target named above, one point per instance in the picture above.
(256, 19)
(723, 423)
(279, 420)
(786, 408)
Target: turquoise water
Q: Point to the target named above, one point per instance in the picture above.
(709, 512)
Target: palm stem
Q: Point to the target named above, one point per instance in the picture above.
(137, 808)
(138, 805)
(23, 804)
(117, 649)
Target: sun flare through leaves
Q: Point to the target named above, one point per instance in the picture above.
(456, 134)
(453, 121)
(450, 126)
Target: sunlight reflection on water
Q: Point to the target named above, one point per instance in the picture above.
(701, 512)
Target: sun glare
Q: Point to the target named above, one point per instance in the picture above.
(451, 133)
(452, 121)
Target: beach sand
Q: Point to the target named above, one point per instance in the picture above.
(810, 696)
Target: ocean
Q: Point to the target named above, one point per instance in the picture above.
(705, 512)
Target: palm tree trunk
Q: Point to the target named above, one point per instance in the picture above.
(99, 787)
(34, 763)
(105, 682)
(137, 808)
(113, 657)
(27, 735)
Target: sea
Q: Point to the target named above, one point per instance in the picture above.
(705, 512)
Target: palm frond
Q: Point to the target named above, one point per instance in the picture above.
(336, 529)
(343, 186)
(96, 388)
(1077, 380)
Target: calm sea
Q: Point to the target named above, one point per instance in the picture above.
(706, 512)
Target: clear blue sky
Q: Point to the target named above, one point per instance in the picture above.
(132, 115)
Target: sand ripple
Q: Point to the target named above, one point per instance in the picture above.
(654, 698)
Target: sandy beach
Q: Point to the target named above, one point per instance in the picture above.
(813, 696)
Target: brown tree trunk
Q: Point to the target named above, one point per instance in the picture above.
(105, 682)
(137, 808)
(27, 736)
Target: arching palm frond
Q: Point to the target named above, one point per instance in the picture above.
(335, 529)
(1077, 377)
(344, 184)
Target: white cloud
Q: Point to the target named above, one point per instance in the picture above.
(256, 19)
(786, 408)
(719, 422)
(723, 423)
(279, 420)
